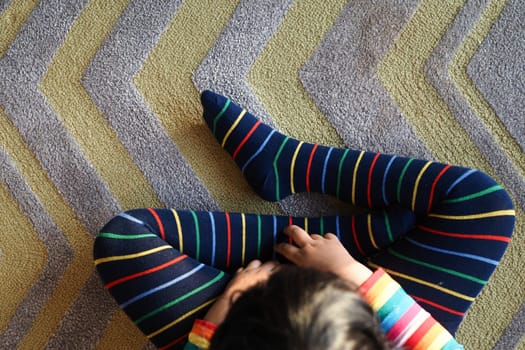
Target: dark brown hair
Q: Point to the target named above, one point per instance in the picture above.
(300, 309)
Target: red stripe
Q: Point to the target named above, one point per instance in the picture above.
(419, 333)
(229, 230)
(290, 223)
(466, 235)
(309, 167)
(178, 340)
(438, 306)
(354, 233)
(369, 191)
(145, 272)
(245, 139)
(159, 223)
(436, 180)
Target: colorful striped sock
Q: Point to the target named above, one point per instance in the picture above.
(274, 164)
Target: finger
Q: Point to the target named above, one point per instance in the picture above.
(239, 269)
(270, 265)
(253, 264)
(299, 236)
(316, 236)
(331, 236)
(287, 250)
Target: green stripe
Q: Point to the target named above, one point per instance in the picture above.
(276, 172)
(258, 236)
(341, 161)
(179, 299)
(197, 236)
(474, 195)
(438, 268)
(117, 236)
(321, 225)
(218, 116)
(388, 228)
(400, 181)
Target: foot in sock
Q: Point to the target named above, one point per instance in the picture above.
(277, 165)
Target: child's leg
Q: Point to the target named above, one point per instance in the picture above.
(152, 261)
(161, 289)
(464, 219)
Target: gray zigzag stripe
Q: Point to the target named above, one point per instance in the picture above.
(437, 73)
(498, 69)
(341, 78)
(108, 80)
(58, 250)
(21, 68)
(225, 67)
(86, 320)
(514, 332)
(4, 4)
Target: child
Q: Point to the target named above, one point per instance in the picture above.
(439, 230)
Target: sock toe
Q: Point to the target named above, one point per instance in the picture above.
(212, 104)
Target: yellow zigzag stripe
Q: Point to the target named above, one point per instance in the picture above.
(458, 72)
(165, 81)
(416, 97)
(280, 90)
(80, 269)
(79, 114)
(23, 256)
(12, 20)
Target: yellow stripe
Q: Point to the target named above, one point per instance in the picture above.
(370, 233)
(189, 313)
(12, 19)
(306, 224)
(354, 178)
(131, 256)
(381, 292)
(418, 179)
(438, 343)
(179, 229)
(234, 125)
(292, 166)
(425, 283)
(490, 214)
(243, 219)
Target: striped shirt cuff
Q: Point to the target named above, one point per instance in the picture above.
(404, 321)
(201, 334)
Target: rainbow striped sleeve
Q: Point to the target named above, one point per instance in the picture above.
(200, 335)
(405, 323)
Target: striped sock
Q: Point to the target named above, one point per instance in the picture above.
(274, 164)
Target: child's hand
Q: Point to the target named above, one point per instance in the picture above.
(245, 278)
(322, 253)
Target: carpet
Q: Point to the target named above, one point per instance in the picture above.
(100, 112)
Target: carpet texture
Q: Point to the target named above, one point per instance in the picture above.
(100, 112)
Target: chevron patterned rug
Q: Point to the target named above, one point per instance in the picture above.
(100, 112)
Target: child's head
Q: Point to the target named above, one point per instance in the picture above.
(300, 309)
